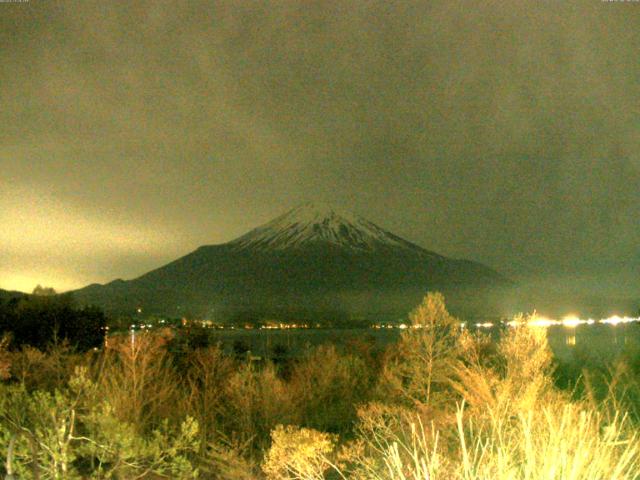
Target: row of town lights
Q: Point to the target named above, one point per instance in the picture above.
(570, 321)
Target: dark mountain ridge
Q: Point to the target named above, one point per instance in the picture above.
(6, 295)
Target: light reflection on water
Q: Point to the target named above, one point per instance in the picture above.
(573, 341)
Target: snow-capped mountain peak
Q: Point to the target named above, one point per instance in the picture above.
(319, 223)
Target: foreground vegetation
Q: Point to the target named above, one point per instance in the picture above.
(440, 404)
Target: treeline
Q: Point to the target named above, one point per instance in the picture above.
(440, 404)
(38, 320)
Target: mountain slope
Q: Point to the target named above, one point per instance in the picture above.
(313, 261)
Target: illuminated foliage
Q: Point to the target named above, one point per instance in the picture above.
(443, 404)
(298, 454)
(420, 367)
(73, 433)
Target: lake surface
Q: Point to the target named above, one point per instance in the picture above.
(582, 343)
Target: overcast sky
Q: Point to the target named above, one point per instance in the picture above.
(503, 132)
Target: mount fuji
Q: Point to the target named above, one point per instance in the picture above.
(314, 263)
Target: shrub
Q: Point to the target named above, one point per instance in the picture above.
(72, 433)
(328, 386)
(517, 426)
(136, 377)
(562, 441)
(5, 358)
(256, 399)
(517, 378)
(45, 370)
(298, 454)
(206, 373)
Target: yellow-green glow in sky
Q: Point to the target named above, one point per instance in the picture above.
(133, 132)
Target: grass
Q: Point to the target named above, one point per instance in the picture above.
(565, 443)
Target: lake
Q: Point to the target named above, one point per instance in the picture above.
(598, 343)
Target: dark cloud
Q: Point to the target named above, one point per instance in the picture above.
(507, 134)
